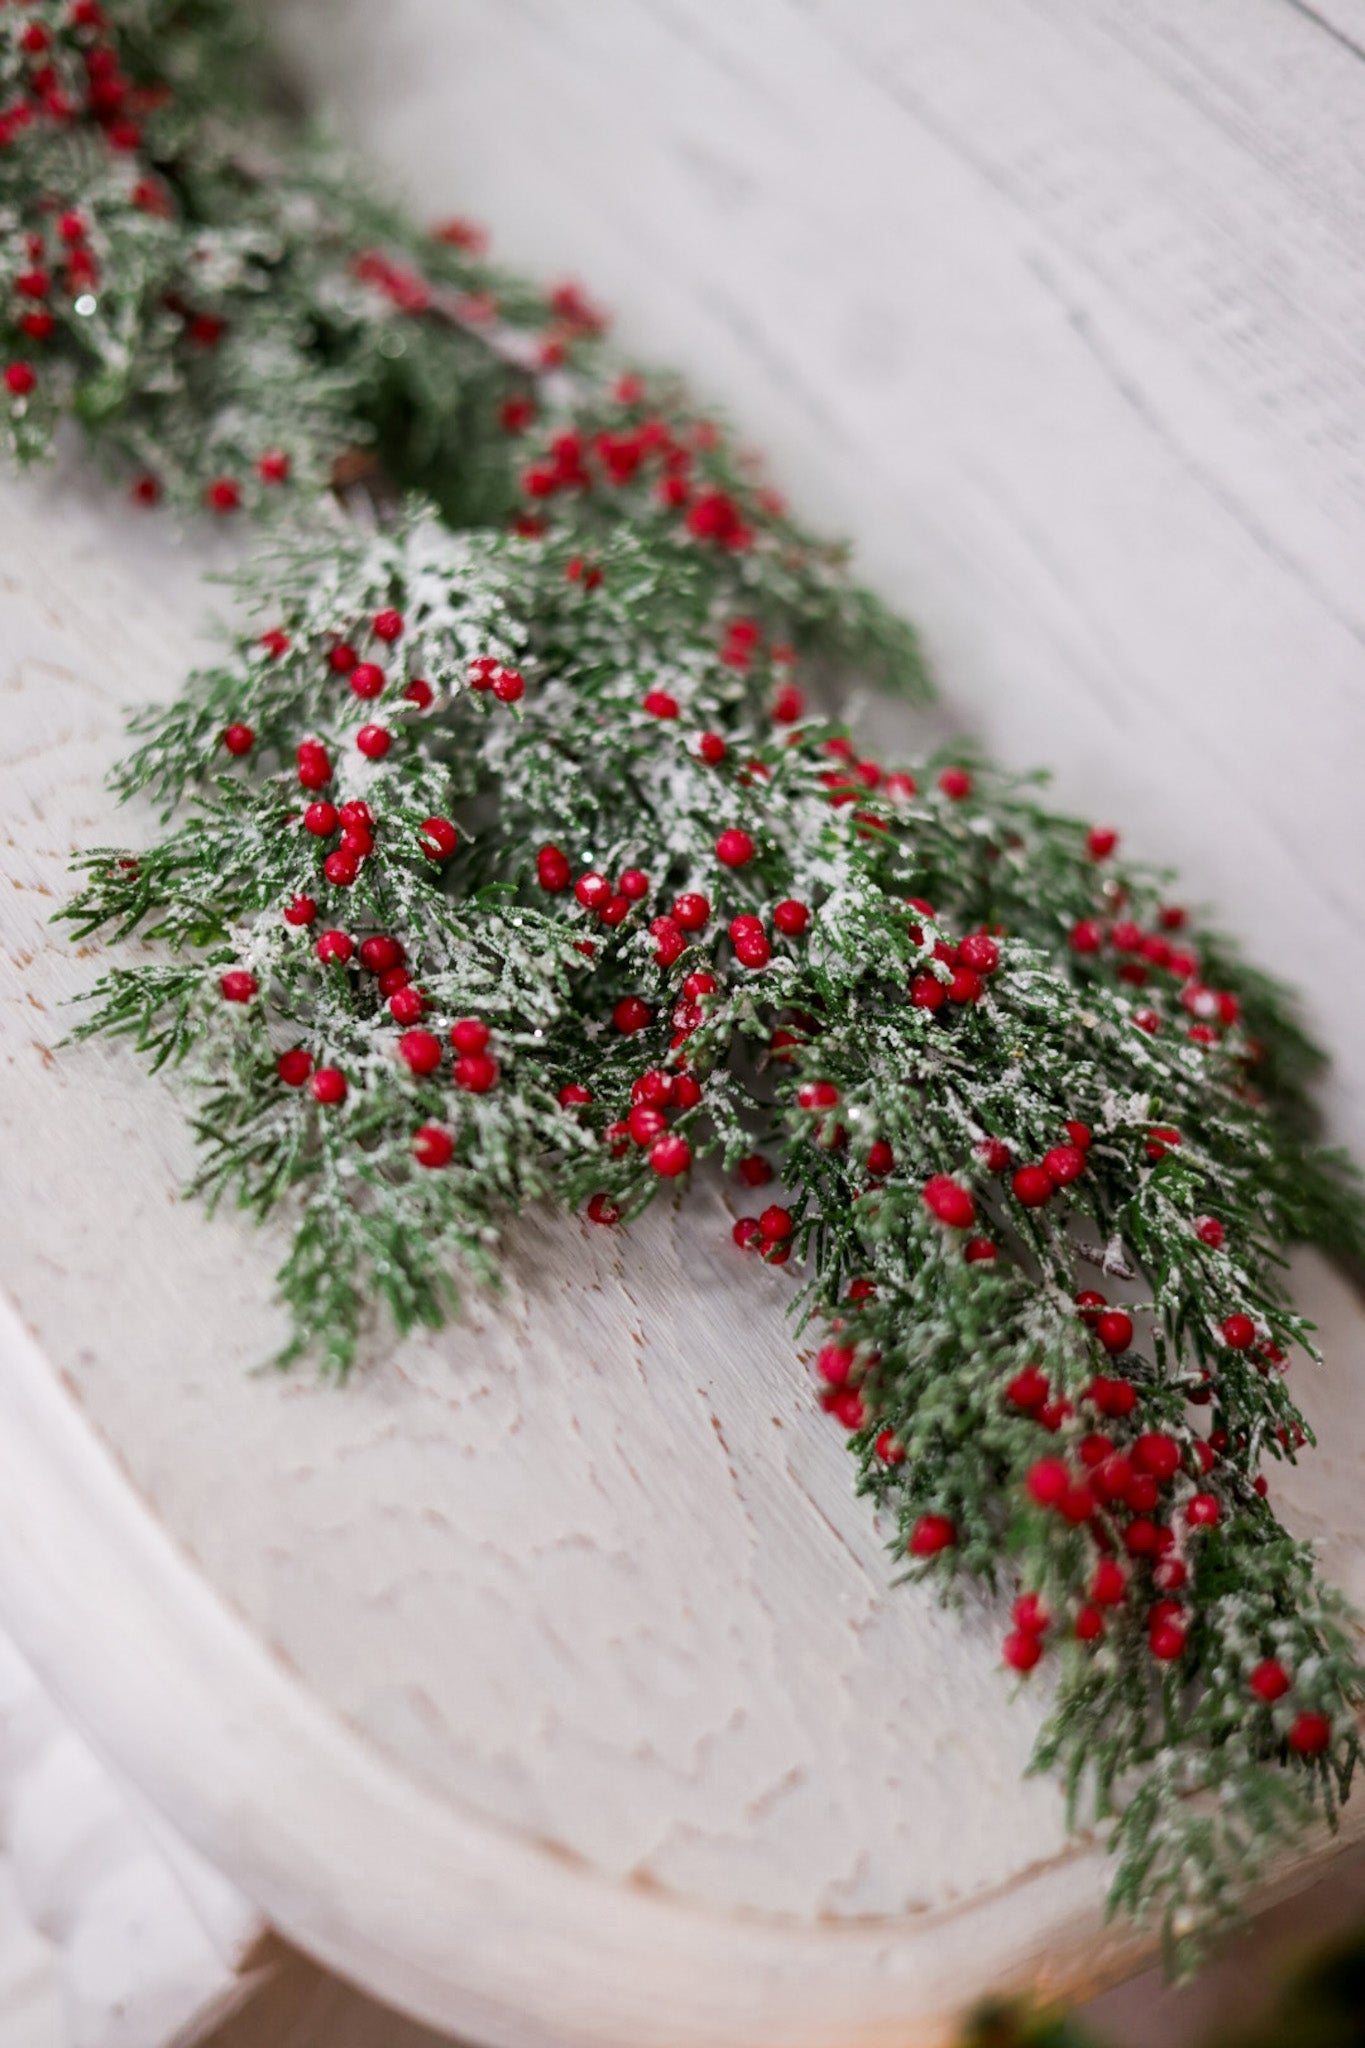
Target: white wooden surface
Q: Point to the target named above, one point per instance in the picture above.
(552, 1685)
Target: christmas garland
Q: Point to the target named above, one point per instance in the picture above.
(509, 861)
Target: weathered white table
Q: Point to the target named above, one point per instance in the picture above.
(549, 1681)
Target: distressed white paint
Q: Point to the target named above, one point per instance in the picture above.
(549, 1681)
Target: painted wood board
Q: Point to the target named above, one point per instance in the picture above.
(639, 1742)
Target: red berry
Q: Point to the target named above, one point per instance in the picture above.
(746, 1233)
(955, 783)
(476, 1073)
(818, 1095)
(964, 986)
(294, 1066)
(20, 379)
(432, 1146)
(406, 1005)
(341, 868)
(979, 952)
(1021, 1650)
(712, 749)
(950, 1202)
(980, 1252)
(880, 1158)
(509, 686)
(734, 849)
(1031, 1616)
(930, 1535)
(593, 891)
(223, 495)
(1170, 1574)
(1100, 841)
(659, 704)
(420, 693)
(1148, 1021)
(342, 659)
(374, 741)
(691, 911)
(1157, 1454)
(1239, 1332)
(1167, 1641)
(791, 917)
(1115, 1330)
(633, 884)
(1269, 1681)
(890, 1449)
(380, 953)
(388, 624)
(1086, 936)
(1032, 1186)
(238, 986)
(239, 739)
(835, 1363)
(1310, 1734)
(631, 1015)
(670, 1155)
(552, 870)
(315, 769)
(602, 1209)
(1028, 1389)
(1079, 1135)
(1108, 1582)
(927, 992)
(1048, 1482)
(321, 820)
(1209, 1231)
(994, 1154)
(1063, 1164)
(470, 1034)
(1089, 1625)
(334, 945)
(669, 942)
(420, 1050)
(328, 1085)
(1203, 1511)
(776, 1225)
(367, 679)
(273, 466)
(437, 838)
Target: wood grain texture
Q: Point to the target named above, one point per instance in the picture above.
(550, 1682)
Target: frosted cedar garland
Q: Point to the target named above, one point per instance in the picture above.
(510, 863)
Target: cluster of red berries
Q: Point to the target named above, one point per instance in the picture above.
(653, 1095)
(648, 451)
(94, 89)
(969, 965)
(1141, 954)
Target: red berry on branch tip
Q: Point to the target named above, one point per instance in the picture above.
(420, 1051)
(1021, 1650)
(328, 1086)
(1269, 1681)
(294, 1066)
(734, 848)
(1310, 1734)
(475, 1072)
(432, 1146)
(670, 1155)
(238, 986)
(930, 1535)
(1115, 1330)
(1239, 1332)
(949, 1201)
(1032, 1186)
